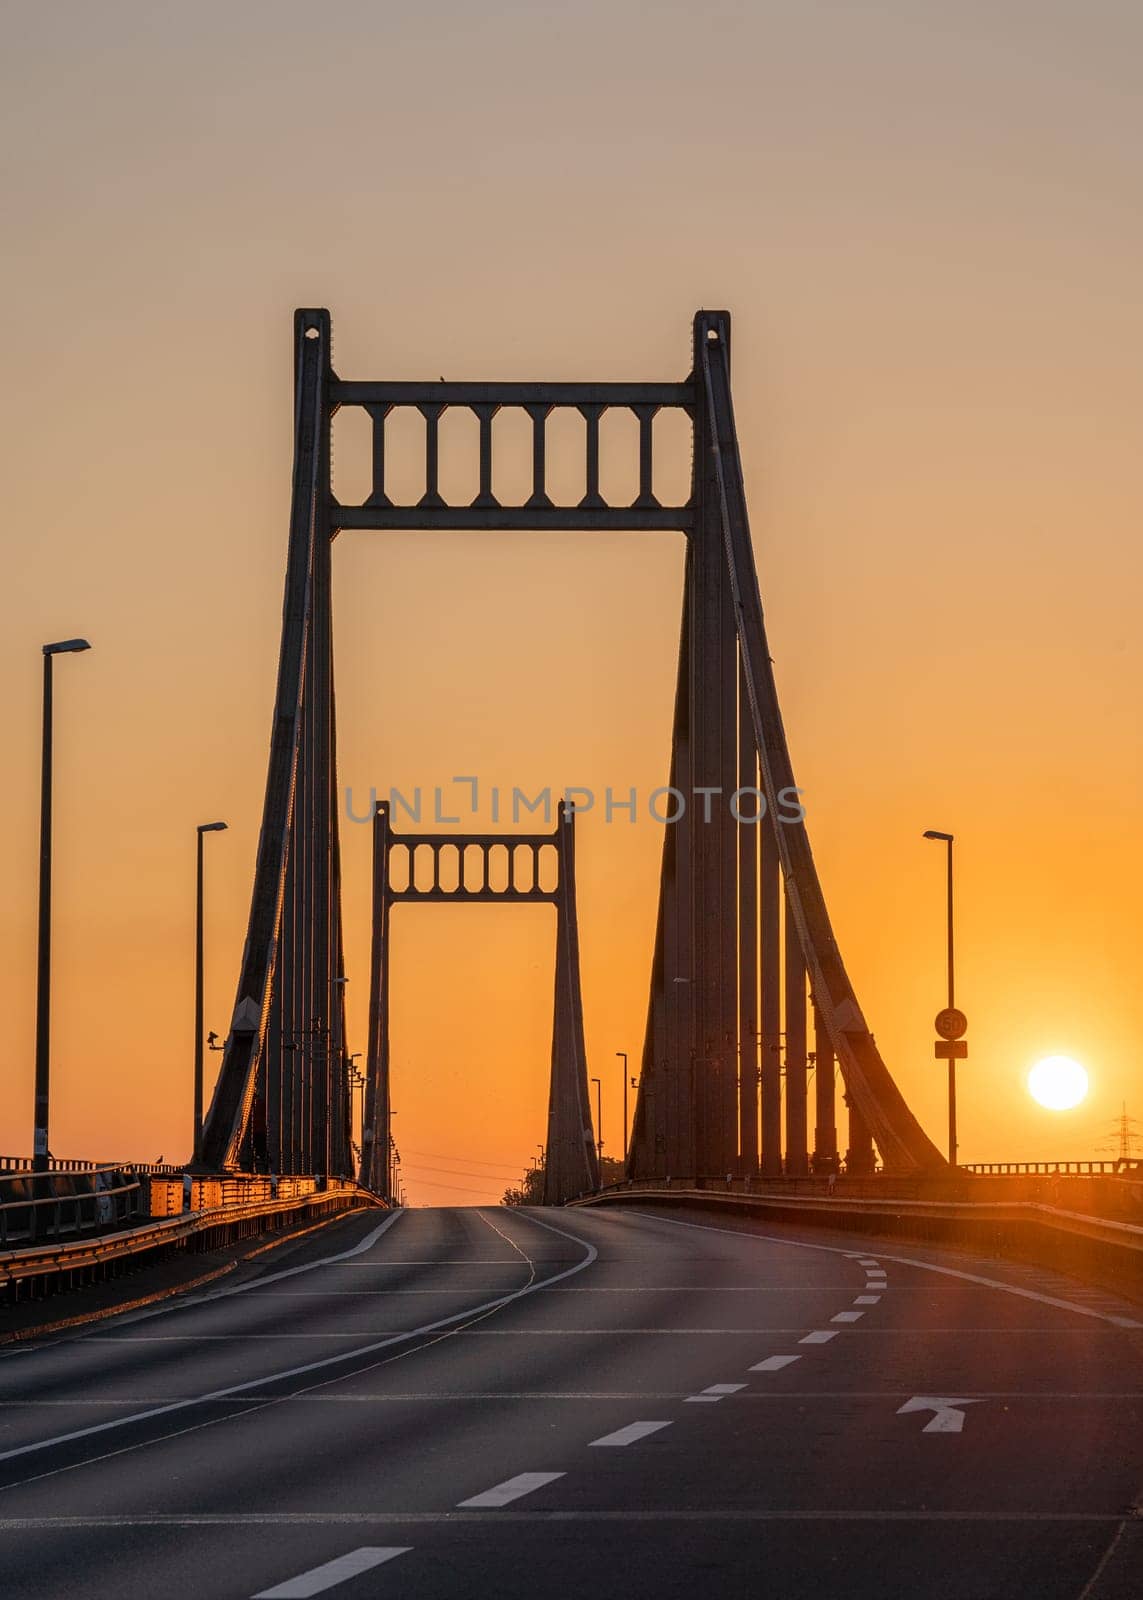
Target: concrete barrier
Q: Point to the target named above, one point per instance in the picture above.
(1096, 1249)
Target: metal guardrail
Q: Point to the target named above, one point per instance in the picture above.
(9, 1164)
(76, 1198)
(80, 1255)
(69, 1200)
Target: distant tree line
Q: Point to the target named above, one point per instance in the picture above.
(530, 1190)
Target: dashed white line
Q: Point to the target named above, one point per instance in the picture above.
(774, 1363)
(628, 1435)
(821, 1336)
(502, 1494)
(867, 1261)
(847, 1316)
(1111, 1318)
(715, 1391)
(318, 1579)
(868, 1300)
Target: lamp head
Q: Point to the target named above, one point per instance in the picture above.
(212, 827)
(64, 647)
(931, 833)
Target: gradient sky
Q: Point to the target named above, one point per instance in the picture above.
(925, 221)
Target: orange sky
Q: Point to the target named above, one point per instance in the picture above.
(925, 224)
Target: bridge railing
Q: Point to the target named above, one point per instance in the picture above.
(68, 1201)
(76, 1198)
(1046, 1168)
(1108, 1189)
(73, 1164)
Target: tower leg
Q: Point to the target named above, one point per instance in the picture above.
(825, 1111)
(771, 920)
(797, 1158)
(749, 835)
(375, 1171)
(571, 1167)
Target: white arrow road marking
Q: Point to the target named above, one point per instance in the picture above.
(318, 1579)
(948, 1418)
(503, 1494)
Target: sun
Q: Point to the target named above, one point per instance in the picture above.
(1058, 1083)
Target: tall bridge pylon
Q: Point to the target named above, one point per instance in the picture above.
(537, 869)
(745, 960)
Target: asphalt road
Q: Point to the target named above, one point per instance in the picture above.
(588, 1402)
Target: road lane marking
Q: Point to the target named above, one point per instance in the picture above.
(713, 1392)
(868, 1300)
(821, 1336)
(628, 1435)
(502, 1494)
(683, 1514)
(907, 1261)
(774, 1363)
(324, 1362)
(451, 1396)
(867, 1261)
(318, 1579)
(339, 1256)
(847, 1316)
(947, 1416)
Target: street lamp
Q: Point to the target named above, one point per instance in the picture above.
(203, 827)
(950, 1023)
(598, 1116)
(40, 1157)
(621, 1055)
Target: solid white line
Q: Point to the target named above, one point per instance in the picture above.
(715, 1391)
(868, 1300)
(906, 1261)
(822, 1336)
(358, 1249)
(502, 1494)
(325, 1361)
(847, 1316)
(318, 1579)
(629, 1434)
(774, 1363)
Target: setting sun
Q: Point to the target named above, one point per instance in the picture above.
(1058, 1083)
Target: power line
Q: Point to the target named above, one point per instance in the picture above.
(454, 1172)
(474, 1161)
(431, 1183)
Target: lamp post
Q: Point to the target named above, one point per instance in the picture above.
(598, 1116)
(40, 1156)
(950, 1023)
(203, 827)
(621, 1055)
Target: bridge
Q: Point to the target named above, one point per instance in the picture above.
(793, 1350)
(744, 948)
